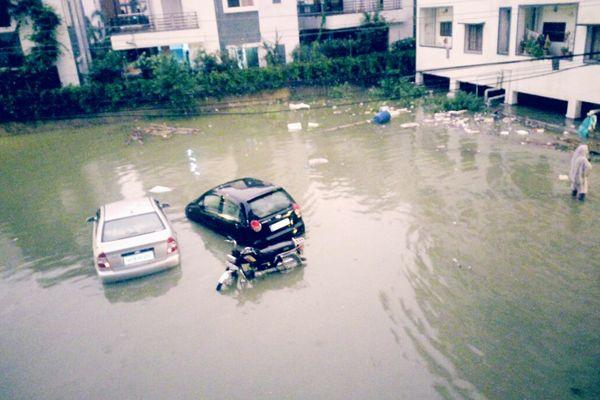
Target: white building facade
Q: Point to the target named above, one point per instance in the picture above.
(548, 49)
(240, 28)
(342, 16)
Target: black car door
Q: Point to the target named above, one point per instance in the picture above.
(230, 218)
(209, 210)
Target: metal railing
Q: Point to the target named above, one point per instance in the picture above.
(346, 7)
(152, 23)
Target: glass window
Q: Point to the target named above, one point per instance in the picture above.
(594, 43)
(504, 30)
(240, 3)
(212, 203)
(251, 57)
(270, 204)
(446, 28)
(473, 38)
(555, 31)
(231, 211)
(127, 227)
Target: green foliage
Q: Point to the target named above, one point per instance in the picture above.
(107, 68)
(219, 62)
(535, 47)
(398, 88)
(172, 82)
(44, 22)
(461, 101)
(341, 91)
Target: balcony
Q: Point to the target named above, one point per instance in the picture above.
(333, 7)
(137, 23)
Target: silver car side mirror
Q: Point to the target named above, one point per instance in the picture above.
(91, 219)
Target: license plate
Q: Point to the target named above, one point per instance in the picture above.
(139, 257)
(280, 224)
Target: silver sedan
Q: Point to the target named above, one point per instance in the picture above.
(133, 238)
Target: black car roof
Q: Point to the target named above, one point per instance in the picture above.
(245, 189)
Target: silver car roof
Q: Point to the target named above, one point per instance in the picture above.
(126, 208)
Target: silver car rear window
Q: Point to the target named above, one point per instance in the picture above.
(270, 204)
(135, 225)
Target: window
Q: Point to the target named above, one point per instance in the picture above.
(473, 38)
(4, 15)
(11, 54)
(276, 1)
(446, 28)
(593, 43)
(246, 57)
(435, 26)
(231, 211)
(127, 227)
(270, 204)
(212, 203)
(555, 31)
(504, 30)
(240, 3)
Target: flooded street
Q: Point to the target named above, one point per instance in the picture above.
(441, 264)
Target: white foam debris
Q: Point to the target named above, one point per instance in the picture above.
(489, 120)
(313, 125)
(504, 133)
(459, 112)
(565, 133)
(160, 189)
(522, 132)
(294, 126)
(409, 125)
(299, 106)
(540, 130)
(563, 177)
(317, 161)
(471, 131)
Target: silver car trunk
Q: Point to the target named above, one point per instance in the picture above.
(136, 251)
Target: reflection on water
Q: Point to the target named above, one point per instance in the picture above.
(441, 264)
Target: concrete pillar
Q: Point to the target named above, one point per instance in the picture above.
(511, 97)
(453, 88)
(574, 109)
(419, 78)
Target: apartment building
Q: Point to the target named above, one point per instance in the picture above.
(343, 18)
(239, 28)
(501, 44)
(74, 57)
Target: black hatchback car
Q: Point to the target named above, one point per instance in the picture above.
(251, 211)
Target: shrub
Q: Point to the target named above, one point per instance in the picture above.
(107, 68)
(461, 101)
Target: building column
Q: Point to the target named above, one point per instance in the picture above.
(511, 97)
(453, 88)
(419, 78)
(574, 109)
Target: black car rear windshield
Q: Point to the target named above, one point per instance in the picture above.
(127, 227)
(270, 204)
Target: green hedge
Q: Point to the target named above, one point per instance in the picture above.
(165, 82)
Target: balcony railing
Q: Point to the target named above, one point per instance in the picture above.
(346, 7)
(133, 23)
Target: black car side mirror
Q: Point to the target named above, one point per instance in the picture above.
(165, 205)
(91, 219)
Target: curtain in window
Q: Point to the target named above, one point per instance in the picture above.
(474, 37)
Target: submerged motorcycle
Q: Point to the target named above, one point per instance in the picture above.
(251, 262)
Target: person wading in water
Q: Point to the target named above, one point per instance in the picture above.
(580, 170)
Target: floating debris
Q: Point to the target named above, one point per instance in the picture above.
(489, 120)
(294, 127)
(160, 189)
(470, 131)
(317, 161)
(562, 177)
(299, 106)
(504, 133)
(522, 132)
(335, 128)
(161, 130)
(459, 112)
(409, 125)
(312, 125)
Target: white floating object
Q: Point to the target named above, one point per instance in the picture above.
(409, 125)
(522, 132)
(565, 133)
(540, 130)
(562, 177)
(190, 152)
(488, 120)
(299, 106)
(313, 125)
(294, 127)
(467, 130)
(504, 133)
(441, 147)
(317, 161)
(160, 189)
(459, 112)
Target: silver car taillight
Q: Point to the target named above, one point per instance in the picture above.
(171, 245)
(103, 261)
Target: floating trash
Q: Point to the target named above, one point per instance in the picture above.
(317, 161)
(409, 125)
(504, 133)
(562, 177)
(160, 189)
(313, 125)
(294, 127)
(522, 132)
(299, 106)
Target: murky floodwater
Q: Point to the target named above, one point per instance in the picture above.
(441, 264)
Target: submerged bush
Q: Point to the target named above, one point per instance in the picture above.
(461, 101)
